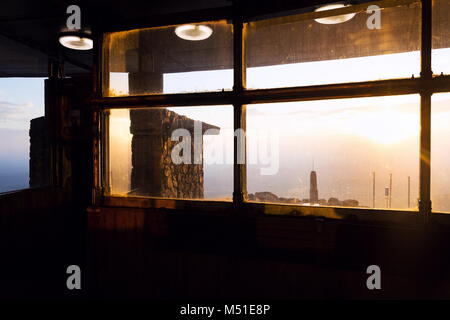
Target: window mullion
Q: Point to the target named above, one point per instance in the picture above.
(240, 174)
(97, 144)
(425, 145)
(425, 111)
(426, 44)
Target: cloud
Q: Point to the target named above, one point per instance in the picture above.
(7, 104)
(15, 115)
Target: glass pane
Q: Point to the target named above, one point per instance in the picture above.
(441, 37)
(300, 50)
(24, 152)
(440, 146)
(192, 58)
(182, 152)
(335, 152)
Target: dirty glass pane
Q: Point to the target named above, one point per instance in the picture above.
(360, 152)
(441, 37)
(193, 58)
(440, 146)
(182, 152)
(361, 45)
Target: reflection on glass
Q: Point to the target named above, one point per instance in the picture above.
(140, 61)
(298, 50)
(440, 146)
(441, 37)
(182, 152)
(361, 152)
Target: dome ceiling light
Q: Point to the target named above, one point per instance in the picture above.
(76, 41)
(193, 32)
(335, 19)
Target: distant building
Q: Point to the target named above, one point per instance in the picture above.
(267, 196)
(350, 203)
(334, 202)
(313, 192)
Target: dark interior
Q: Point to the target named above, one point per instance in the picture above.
(166, 250)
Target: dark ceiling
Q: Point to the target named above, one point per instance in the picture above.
(29, 29)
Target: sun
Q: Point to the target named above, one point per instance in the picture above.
(385, 126)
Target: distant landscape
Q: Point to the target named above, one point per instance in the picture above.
(14, 181)
(14, 160)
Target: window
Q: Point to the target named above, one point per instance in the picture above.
(440, 146)
(21, 119)
(335, 152)
(183, 152)
(441, 37)
(166, 60)
(315, 130)
(299, 50)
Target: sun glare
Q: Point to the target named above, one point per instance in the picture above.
(385, 127)
(383, 123)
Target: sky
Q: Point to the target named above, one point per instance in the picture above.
(344, 141)
(21, 99)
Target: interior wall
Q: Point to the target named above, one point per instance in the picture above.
(161, 254)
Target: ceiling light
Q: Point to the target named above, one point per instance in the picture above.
(193, 32)
(334, 19)
(76, 42)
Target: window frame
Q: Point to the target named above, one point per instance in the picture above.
(239, 97)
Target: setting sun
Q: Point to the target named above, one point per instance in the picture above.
(385, 126)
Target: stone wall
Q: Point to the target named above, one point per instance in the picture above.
(39, 154)
(182, 180)
(153, 171)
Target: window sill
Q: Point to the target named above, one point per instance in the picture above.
(404, 218)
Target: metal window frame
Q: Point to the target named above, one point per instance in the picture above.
(239, 97)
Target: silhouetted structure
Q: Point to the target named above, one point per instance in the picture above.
(313, 192)
(153, 171)
(39, 154)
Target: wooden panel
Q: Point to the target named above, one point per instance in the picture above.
(198, 256)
